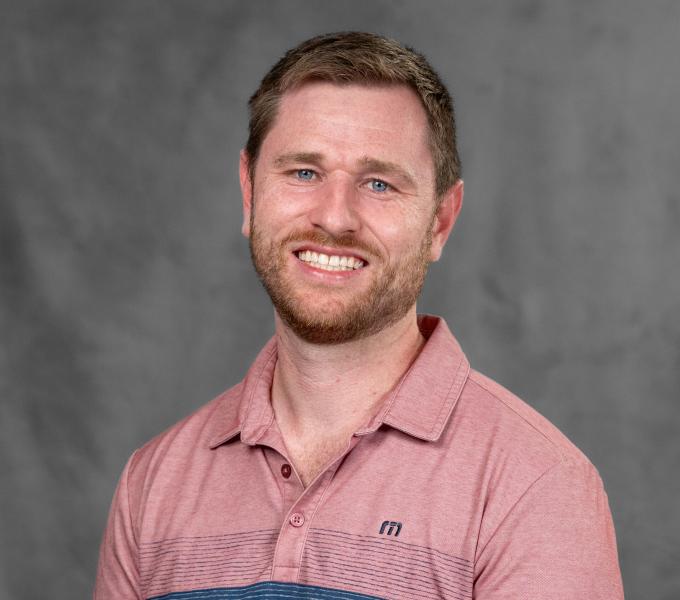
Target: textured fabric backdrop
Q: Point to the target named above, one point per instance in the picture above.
(127, 298)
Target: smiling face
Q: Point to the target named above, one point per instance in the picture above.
(341, 215)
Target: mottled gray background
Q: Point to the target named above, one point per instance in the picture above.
(126, 294)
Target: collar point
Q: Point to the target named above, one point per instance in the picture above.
(218, 440)
(417, 431)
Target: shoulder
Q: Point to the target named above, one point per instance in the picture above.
(186, 438)
(547, 529)
(514, 425)
(523, 460)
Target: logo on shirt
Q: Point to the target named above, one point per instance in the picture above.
(393, 527)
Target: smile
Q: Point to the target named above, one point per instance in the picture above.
(332, 262)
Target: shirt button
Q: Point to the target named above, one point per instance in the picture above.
(286, 471)
(297, 520)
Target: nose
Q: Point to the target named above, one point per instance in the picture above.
(335, 207)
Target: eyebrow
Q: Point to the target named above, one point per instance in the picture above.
(297, 157)
(386, 167)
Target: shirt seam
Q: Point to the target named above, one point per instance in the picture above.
(524, 494)
(552, 443)
(133, 524)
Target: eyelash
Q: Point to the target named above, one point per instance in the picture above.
(298, 173)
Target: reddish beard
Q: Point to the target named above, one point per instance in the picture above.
(345, 317)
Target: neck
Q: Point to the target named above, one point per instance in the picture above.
(334, 389)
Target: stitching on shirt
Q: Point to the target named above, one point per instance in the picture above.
(512, 508)
(218, 435)
(411, 430)
(393, 396)
(462, 371)
(461, 374)
(127, 491)
(521, 416)
(390, 402)
(132, 520)
(316, 508)
(255, 386)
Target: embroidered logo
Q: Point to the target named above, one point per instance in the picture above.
(392, 527)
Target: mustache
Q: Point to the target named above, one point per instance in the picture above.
(346, 241)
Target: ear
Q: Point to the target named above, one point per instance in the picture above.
(246, 191)
(444, 219)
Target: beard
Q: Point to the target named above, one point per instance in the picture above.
(342, 315)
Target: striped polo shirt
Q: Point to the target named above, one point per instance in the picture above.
(456, 489)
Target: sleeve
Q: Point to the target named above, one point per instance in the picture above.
(556, 543)
(117, 573)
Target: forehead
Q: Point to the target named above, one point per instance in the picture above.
(379, 121)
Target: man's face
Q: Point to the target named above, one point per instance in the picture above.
(341, 214)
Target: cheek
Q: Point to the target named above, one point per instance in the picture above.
(281, 196)
(398, 227)
(274, 209)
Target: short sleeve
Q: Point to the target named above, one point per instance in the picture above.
(556, 543)
(117, 573)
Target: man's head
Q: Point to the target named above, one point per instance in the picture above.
(363, 58)
(347, 197)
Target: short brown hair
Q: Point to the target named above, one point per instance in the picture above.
(358, 57)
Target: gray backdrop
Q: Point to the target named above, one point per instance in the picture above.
(127, 295)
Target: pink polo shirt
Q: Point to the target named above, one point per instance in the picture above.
(456, 489)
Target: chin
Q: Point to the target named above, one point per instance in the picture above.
(327, 325)
(337, 323)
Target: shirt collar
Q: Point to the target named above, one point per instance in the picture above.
(419, 405)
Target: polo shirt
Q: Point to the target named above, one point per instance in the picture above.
(456, 489)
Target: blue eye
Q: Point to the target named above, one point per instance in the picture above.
(379, 186)
(305, 174)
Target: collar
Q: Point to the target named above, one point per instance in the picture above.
(419, 405)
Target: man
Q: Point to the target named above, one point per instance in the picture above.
(360, 457)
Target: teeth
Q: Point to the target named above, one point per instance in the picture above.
(330, 263)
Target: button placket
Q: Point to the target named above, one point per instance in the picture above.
(293, 533)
